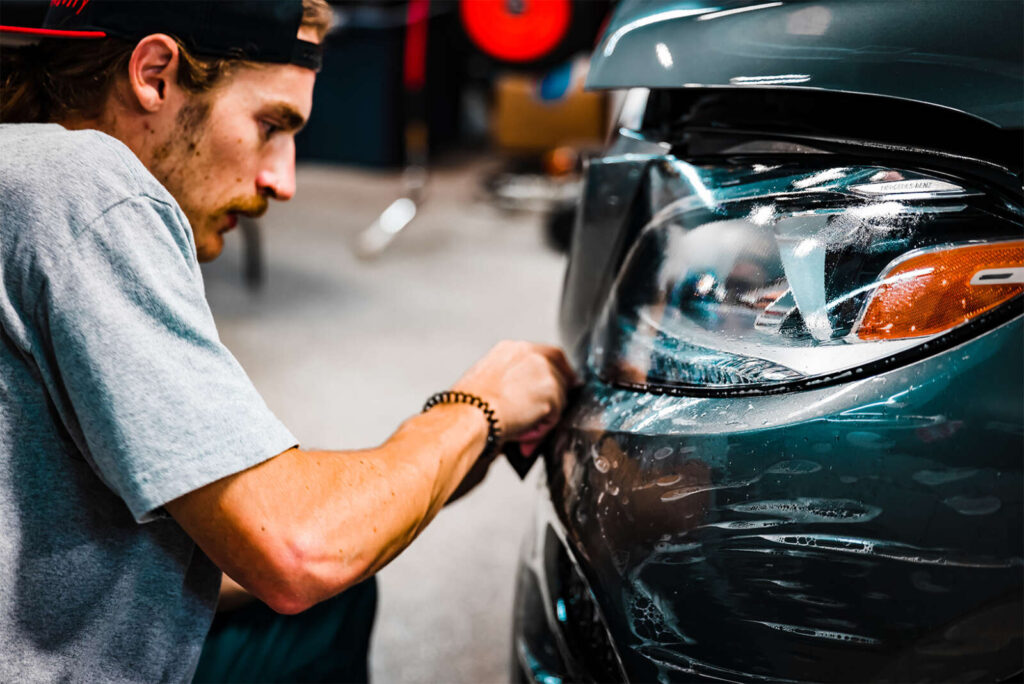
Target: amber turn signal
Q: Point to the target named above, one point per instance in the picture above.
(932, 292)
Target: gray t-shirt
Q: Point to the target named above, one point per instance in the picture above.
(116, 396)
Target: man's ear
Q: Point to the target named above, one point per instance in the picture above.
(152, 70)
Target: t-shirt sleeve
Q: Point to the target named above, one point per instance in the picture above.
(159, 405)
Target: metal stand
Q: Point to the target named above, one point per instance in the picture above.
(374, 239)
(253, 270)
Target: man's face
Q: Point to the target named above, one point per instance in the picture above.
(233, 148)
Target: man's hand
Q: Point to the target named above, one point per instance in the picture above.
(524, 380)
(525, 384)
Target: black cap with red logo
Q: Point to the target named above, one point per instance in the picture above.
(256, 30)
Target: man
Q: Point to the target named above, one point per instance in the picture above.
(128, 433)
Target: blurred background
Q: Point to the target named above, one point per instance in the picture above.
(437, 180)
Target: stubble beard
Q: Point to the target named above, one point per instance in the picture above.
(177, 164)
(174, 160)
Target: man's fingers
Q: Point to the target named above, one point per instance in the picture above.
(531, 439)
(557, 359)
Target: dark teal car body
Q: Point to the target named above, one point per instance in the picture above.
(844, 502)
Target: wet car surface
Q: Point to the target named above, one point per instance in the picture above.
(854, 544)
(868, 529)
(797, 454)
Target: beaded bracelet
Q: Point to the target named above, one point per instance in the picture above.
(456, 397)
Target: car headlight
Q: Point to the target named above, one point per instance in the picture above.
(766, 277)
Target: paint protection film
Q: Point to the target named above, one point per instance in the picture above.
(760, 275)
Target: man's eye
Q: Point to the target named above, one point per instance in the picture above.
(268, 128)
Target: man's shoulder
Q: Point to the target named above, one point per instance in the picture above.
(86, 168)
(54, 183)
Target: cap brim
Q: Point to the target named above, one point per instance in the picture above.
(23, 35)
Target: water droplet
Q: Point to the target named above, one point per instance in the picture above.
(602, 464)
(816, 601)
(923, 581)
(683, 492)
(663, 453)
(869, 440)
(967, 505)
(668, 480)
(795, 467)
(938, 477)
(746, 524)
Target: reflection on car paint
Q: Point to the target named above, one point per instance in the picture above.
(703, 534)
(832, 45)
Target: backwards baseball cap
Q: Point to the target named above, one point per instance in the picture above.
(256, 30)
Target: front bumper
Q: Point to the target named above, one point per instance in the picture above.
(869, 531)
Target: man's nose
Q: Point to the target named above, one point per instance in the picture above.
(277, 176)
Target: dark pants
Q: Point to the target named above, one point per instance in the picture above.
(330, 642)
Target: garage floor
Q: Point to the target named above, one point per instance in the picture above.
(344, 350)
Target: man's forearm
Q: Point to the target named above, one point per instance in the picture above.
(305, 525)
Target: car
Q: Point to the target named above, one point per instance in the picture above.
(794, 295)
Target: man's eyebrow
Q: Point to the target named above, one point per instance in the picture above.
(288, 115)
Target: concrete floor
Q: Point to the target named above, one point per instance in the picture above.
(344, 350)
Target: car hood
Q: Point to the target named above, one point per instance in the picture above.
(959, 54)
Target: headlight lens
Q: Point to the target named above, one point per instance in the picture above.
(753, 275)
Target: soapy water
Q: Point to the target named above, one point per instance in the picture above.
(663, 453)
(745, 524)
(794, 467)
(652, 619)
(683, 492)
(812, 510)
(665, 546)
(672, 661)
(814, 633)
(895, 551)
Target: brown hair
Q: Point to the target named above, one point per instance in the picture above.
(55, 79)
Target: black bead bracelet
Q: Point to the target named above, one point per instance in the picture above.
(456, 397)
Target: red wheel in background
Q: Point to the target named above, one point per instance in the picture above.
(516, 31)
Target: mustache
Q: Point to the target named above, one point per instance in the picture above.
(249, 206)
